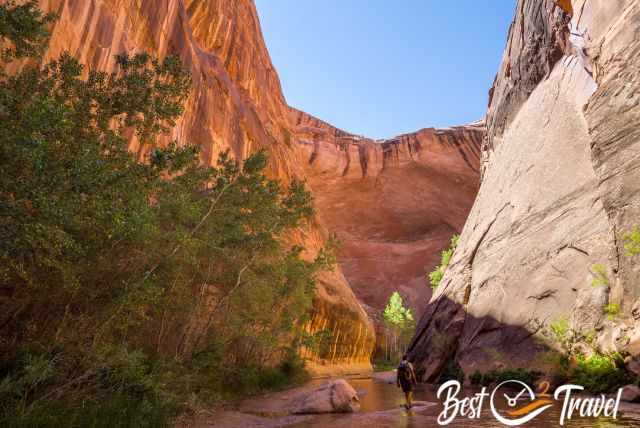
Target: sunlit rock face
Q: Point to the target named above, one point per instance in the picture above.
(560, 187)
(236, 104)
(394, 204)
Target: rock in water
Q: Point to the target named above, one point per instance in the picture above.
(335, 397)
(631, 394)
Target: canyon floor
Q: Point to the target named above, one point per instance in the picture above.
(381, 406)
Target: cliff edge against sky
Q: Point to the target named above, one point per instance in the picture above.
(560, 189)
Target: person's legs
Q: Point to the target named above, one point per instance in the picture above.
(408, 395)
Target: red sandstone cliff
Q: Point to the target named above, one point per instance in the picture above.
(394, 203)
(236, 103)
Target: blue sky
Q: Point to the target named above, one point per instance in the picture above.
(382, 67)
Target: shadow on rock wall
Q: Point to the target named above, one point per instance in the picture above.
(447, 332)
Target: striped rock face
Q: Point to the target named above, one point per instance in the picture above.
(560, 190)
(236, 104)
(394, 204)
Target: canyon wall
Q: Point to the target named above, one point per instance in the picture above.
(560, 188)
(236, 104)
(393, 204)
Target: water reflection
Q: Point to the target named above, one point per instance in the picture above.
(379, 395)
(381, 408)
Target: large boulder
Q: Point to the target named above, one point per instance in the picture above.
(334, 397)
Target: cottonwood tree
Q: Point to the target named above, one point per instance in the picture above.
(399, 324)
(105, 255)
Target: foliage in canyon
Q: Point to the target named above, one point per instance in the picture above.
(632, 242)
(581, 361)
(398, 326)
(23, 28)
(435, 277)
(131, 287)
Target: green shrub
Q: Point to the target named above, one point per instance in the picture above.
(214, 375)
(530, 377)
(560, 329)
(117, 389)
(559, 362)
(567, 337)
(436, 276)
(600, 277)
(384, 366)
(612, 310)
(121, 411)
(600, 373)
(632, 241)
(476, 378)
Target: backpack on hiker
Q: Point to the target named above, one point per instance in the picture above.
(404, 372)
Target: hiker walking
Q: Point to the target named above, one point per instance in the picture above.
(406, 379)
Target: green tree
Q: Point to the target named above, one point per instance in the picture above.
(23, 29)
(133, 281)
(399, 324)
(395, 313)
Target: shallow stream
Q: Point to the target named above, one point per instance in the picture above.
(381, 407)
